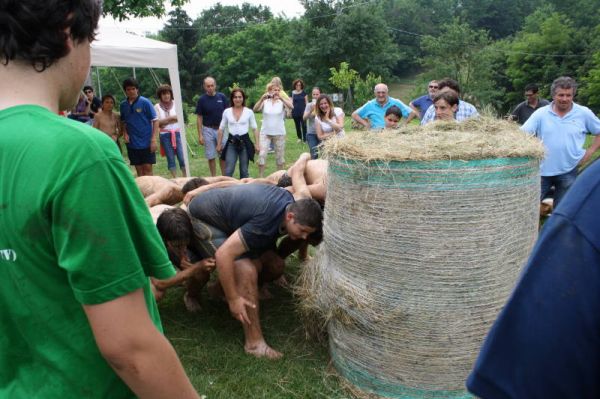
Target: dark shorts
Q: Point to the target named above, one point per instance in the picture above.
(207, 239)
(141, 157)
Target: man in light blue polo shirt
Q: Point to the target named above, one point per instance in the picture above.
(562, 126)
(371, 115)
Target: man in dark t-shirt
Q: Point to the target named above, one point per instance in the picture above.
(523, 111)
(209, 111)
(239, 226)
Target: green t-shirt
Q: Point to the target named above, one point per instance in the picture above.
(74, 229)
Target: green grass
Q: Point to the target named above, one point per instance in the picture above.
(402, 91)
(210, 343)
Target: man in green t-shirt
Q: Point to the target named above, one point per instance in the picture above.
(77, 243)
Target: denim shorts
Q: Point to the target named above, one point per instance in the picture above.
(210, 136)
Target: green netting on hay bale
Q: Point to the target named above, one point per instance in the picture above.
(418, 258)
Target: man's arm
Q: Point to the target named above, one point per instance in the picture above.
(225, 257)
(298, 181)
(414, 114)
(136, 350)
(407, 112)
(415, 109)
(591, 150)
(155, 131)
(360, 120)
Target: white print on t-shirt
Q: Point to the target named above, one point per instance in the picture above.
(8, 255)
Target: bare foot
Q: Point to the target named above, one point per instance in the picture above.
(263, 350)
(191, 304)
(264, 293)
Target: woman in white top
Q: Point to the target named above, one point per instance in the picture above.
(329, 120)
(170, 138)
(238, 120)
(272, 129)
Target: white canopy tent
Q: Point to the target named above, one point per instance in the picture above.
(114, 48)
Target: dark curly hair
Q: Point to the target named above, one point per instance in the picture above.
(34, 31)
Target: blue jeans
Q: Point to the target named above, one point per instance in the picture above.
(231, 157)
(313, 142)
(165, 142)
(561, 184)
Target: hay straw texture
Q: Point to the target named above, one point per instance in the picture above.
(420, 252)
(479, 138)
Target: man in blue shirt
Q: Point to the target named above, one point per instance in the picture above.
(209, 111)
(422, 103)
(371, 115)
(562, 126)
(546, 341)
(140, 128)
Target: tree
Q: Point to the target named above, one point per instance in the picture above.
(343, 79)
(225, 20)
(258, 49)
(345, 31)
(408, 22)
(122, 9)
(178, 30)
(462, 53)
(548, 46)
(590, 85)
(363, 88)
(499, 18)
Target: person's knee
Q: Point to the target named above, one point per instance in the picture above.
(245, 271)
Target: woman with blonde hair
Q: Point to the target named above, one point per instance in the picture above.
(329, 120)
(272, 129)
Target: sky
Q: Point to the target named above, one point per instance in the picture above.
(287, 8)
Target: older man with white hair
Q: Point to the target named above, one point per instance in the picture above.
(371, 115)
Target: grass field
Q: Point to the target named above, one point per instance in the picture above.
(210, 343)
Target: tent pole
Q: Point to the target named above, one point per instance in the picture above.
(98, 79)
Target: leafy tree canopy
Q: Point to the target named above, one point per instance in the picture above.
(123, 9)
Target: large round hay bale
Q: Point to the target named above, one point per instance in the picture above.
(425, 234)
